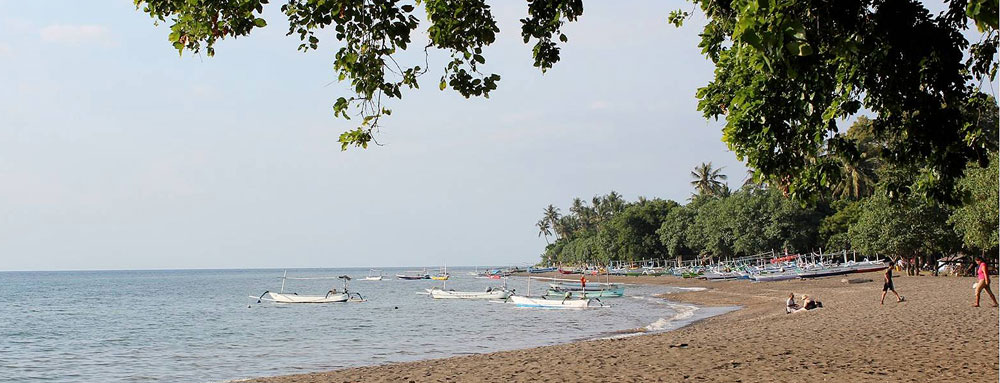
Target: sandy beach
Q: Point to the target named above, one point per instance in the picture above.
(934, 336)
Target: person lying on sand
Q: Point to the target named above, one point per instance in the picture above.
(809, 303)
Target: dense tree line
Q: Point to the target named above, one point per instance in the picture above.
(866, 213)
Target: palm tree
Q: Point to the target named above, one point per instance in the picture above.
(855, 181)
(551, 215)
(707, 181)
(583, 213)
(544, 229)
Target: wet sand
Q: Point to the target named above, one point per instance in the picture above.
(933, 336)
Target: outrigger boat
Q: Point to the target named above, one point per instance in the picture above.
(520, 301)
(560, 292)
(372, 277)
(442, 276)
(591, 290)
(566, 302)
(490, 293)
(532, 270)
(332, 296)
(414, 275)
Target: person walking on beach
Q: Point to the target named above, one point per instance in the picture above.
(983, 274)
(887, 286)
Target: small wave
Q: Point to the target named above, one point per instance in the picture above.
(682, 312)
(690, 288)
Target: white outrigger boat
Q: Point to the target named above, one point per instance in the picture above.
(372, 277)
(567, 302)
(332, 296)
(490, 293)
(520, 301)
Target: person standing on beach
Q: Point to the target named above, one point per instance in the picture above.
(983, 274)
(887, 286)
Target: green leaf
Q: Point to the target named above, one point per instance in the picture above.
(443, 84)
(260, 23)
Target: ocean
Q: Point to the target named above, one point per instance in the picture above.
(196, 326)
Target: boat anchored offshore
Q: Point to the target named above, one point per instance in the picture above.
(372, 277)
(413, 275)
(490, 293)
(332, 296)
(441, 276)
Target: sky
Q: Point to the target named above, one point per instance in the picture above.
(117, 153)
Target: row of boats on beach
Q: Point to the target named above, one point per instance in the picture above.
(782, 271)
(757, 269)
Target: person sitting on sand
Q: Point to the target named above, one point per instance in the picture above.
(983, 275)
(790, 305)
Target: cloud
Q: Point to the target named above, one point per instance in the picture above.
(5, 50)
(77, 35)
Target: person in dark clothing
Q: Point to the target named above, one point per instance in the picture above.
(887, 286)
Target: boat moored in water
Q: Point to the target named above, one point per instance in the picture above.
(490, 293)
(331, 296)
(520, 301)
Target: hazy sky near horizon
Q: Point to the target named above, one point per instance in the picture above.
(115, 153)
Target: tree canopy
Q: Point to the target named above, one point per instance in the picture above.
(786, 72)
(759, 219)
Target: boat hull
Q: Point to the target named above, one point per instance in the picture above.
(774, 277)
(615, 293)
(450, 294)
(520, 301)
(295, 298)
(824, 273)
(411, 277)
(573, 286)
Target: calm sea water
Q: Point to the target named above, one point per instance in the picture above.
(195, 326)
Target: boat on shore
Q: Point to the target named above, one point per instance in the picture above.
(776, 276)
(867, 266)
(824, 271)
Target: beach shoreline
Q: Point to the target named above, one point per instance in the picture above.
(934, 336)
